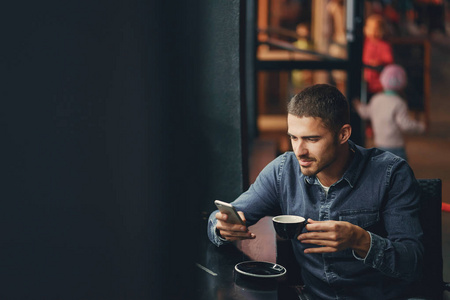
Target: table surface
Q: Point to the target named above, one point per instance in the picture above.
(216, 274)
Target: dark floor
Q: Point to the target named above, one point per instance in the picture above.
(428, 154)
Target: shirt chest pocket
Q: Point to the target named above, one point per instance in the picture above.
(363, 218)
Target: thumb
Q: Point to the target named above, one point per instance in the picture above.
(241, 214)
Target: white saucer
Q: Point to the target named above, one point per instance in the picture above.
(260, 269)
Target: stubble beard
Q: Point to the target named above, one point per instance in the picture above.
(315, 168)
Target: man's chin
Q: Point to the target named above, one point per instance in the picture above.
(307, 171)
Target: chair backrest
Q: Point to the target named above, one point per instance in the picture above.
(431, 284)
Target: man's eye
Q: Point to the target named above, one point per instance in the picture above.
(294, 138)
(313, 140)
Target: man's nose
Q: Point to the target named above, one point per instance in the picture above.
(300, 149)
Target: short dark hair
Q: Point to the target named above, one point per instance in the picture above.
(321, 101)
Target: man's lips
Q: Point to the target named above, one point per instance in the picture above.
(305, 162)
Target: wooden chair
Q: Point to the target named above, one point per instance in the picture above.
(432, 285)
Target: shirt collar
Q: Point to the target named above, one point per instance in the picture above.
(355, 167)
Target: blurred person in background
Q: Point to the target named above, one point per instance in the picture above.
(388, 112)
(377, 53)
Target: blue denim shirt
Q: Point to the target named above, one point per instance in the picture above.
(378, 192)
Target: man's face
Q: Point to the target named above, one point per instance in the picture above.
(314, 145)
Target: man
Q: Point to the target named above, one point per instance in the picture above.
(363, 238)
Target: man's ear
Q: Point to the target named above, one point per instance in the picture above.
(345, 133)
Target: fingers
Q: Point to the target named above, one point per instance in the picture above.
(221, 225)
(327, 242)
(323, 225)
(224, 217)
(235, 236)
(241, 214)
(221, 216)
(318, 236)
(330, 240)
(230, 231)
(320, 250)
(233, 232)
(331, 236)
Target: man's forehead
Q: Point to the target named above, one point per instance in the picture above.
(294, 122)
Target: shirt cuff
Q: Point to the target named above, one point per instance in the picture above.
(376, 253)
(370, 248)
(219, 236)
(215, 238)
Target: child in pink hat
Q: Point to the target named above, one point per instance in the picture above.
(388, 112)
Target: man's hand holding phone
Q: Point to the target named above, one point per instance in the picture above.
(231, 224)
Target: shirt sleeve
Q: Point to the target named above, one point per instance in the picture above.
(260, 200)
(215, 238)
(400, 253)
(370, 247)
(404, 122)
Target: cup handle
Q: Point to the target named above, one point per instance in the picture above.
(277, 268)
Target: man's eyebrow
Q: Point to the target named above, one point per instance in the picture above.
(305, 137)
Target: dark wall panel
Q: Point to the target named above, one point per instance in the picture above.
(120, 122)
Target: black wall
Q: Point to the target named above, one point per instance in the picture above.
(121, 123)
